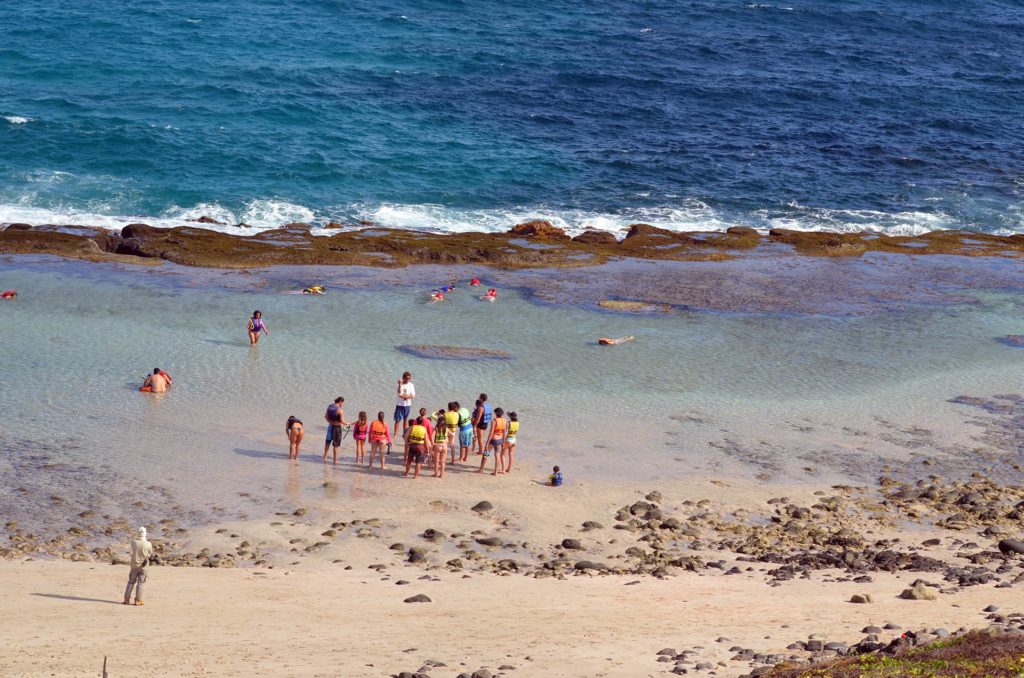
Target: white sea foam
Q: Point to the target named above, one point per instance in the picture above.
(17, 119)
(686, 215)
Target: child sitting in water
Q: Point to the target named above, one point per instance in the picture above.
(555, 479)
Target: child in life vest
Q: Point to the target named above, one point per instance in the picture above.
(555, 479)
(379, 436)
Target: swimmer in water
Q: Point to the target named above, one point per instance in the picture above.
(605, 341)
(158, 382)
(293, 427)
(491, 295)
(475, 282)
(436, 296)
(255, 327)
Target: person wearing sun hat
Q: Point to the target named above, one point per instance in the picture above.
(142, 550)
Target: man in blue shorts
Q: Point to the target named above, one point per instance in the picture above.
(403, 406)
(335, 418)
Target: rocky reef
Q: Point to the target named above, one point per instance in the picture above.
(532, 244)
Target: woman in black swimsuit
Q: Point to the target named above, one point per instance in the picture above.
(293, 427)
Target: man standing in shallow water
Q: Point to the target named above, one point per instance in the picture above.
(335, 418)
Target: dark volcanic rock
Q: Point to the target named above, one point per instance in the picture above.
(483, 506)
(1008, 546)
(418, 598)
(542, 230)
(596, 238)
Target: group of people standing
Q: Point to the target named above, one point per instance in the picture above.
(432, 437)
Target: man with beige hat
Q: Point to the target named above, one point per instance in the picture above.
(142, 549)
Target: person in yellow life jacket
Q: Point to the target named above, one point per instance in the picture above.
(416, 437)
(451, 421)
(509, 450)
(440, 449)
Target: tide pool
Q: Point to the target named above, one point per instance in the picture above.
(695, 393)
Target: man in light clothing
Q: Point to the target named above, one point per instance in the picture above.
(403, 406)
(142, 549)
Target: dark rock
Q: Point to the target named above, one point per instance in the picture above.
(871, 629)
(418, 598)
(18, 227)
(573, 544)
(646, 229)
(596, 238)
(931, 542)
(741, 230)
(592, 525)
(482, 507)
(667, 652)
(1008, 546)
(542, 230)
(860, 598)
(489, 541)
(208, 220)
(482, 673)
(815, 645)
(583, 565)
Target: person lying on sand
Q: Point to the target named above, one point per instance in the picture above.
(605, 341)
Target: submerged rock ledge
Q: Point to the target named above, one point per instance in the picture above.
(531, 245)
(441, 352)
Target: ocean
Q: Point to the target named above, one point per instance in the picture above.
(901, 117)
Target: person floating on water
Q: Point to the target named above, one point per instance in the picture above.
(475, 282)
(158, 382)
(605, 341)
(142, 550)
(555, 479)
(492, 295)
(256, 326)
(293, 427)
(314, 289)
(436, 296)
(8, 294)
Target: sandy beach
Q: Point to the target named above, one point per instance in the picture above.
(330, 603)
(326, 621)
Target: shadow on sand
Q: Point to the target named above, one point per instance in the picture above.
(76, 598)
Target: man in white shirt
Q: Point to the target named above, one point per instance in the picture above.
(141, 549)
(406, 392)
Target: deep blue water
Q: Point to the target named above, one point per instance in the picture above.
(904, 115)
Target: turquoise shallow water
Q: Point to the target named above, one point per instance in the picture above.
(695, 393)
